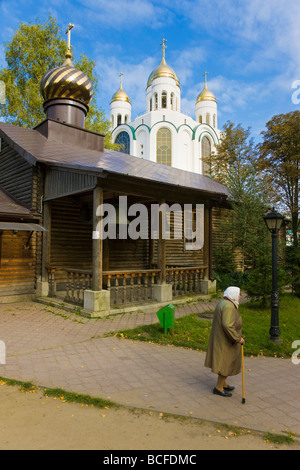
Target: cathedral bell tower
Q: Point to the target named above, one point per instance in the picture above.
(163, 87)
(206, 106)
(120, 107)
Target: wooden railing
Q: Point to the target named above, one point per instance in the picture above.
(133, 286)
(51, 281)
(78, 280)
(185, 280)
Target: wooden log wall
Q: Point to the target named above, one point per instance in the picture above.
(221, 216)
(176, 252)
(17, 262)
(71, 245)
(128, 254)
(25, 183)
(37, 206)
(71, 240)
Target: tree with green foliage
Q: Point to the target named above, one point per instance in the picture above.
(34, 49)
(232, 165)
(279, 163)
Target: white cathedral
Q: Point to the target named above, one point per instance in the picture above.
(164, 134)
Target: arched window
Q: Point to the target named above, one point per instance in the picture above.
(155, 101)
(119, 120)
(214, 120)
(200, 119)
(206, 153)
(207, 118)
(123, 140)
(164, 146)
(150, 104)
(172, 100)
(112, 121)
(164, 99)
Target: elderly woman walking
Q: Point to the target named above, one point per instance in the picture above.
(224, 347)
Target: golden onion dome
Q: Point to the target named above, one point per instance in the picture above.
(163, 70)
(120, 95)
(66, 82)
(206, 94)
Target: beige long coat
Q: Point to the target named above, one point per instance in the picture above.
(224, 350)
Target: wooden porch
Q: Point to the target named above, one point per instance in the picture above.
(129, 287)
(99, 273)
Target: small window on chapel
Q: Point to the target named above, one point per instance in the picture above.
(164, 99)
(206, 154)
(172, 100)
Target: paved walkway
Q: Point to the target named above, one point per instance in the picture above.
(54, 348)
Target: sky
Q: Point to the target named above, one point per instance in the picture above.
(250, 49)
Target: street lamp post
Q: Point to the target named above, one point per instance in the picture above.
(273, 222)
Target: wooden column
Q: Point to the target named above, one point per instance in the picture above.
(97, 240)
(210, 245)
(161, 248)
(46, 244)
(207, 248)
(151, 245)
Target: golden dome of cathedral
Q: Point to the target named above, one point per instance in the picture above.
(163, 70)
(120, 95)
(206, 94)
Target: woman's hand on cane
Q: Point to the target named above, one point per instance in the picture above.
(242, 341)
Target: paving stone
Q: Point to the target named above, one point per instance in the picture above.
(53, 348)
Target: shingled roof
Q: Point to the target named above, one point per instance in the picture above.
(34, 147)
(10, 207)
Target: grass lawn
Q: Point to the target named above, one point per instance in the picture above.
(193, 332)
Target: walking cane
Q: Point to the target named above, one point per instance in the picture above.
(243, 376)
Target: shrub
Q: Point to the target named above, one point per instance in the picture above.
(259, 279)
(293, 268)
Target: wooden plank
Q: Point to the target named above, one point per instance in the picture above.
(97, 242)
(17, 263)
(161, 249)
(46, 241)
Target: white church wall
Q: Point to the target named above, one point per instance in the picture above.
(142, 143)
(184, 149)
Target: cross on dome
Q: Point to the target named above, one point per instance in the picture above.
(68, 53)
(121, 75)
(163, 46)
